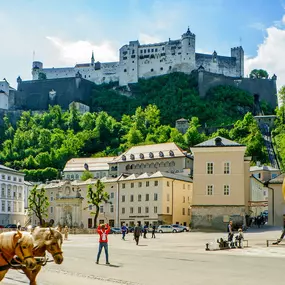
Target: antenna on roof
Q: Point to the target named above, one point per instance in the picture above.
(240, 41)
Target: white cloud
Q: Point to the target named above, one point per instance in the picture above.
(258, 26)
(270, 55)
(72, 52)
(148, 39)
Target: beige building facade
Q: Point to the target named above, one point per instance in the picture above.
(166, 157)
(276, 204)
(159, 198)
(221, 183)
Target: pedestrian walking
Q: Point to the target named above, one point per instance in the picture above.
(230, 231)
(103, 231)
(66, 231)
(153, 231)
(145, 231)
(124, 231)
(137, 233)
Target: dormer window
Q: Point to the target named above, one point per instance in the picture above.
(141, 156)
(151, 155)
(161, 154)
(132, 157)
(124, 157)
(171, 153)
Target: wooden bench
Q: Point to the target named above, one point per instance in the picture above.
(274, 240)
(226, 248)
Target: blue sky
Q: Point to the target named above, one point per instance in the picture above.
(65, 32)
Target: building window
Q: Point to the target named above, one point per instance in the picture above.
(3, 176)
(167, 210)
(226, 168)
(132, 198)
(210, 167)
(188, 186)
(226, 190)
(146, 210)
(209, 218)
(125, 70)
(147, 197)
(9, 206)
(132, 185)
(147, 184)
(123, 198)
(155, 198)
(161, 68)
(151, 70)
(9, 177)
(210, 189)
(183, 211)
(3, 208)
(139, 197)
(131, 210)
(112, 195)
(15, 179)
(155, 210)
(51, 210)
(123, 185)
(51, 199)
(167, 183)
(168, 197)
(3, 192)
(112, 209)
(183, 186)
(273, 175)
(183, 199)
(9, 193)
(140, 184)
(123, 210)
(139, 210)
(101, 209)
(156, 183)
(189, 211)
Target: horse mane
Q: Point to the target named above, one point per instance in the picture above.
(46, 236)
(6, 239)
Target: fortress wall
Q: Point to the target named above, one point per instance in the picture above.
(266, 88)
(34, 95)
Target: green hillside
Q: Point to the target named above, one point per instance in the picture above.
(176, 95)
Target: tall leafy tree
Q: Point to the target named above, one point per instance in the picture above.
(96, 197)
(258, 73)
(38, 204)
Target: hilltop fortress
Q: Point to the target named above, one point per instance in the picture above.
(145, 61)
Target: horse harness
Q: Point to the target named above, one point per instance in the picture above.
(17, 261)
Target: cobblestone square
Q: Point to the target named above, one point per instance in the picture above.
(169, 259)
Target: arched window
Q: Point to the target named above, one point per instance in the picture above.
(172, 163)
(161, 154)
(141, 156)
(151, 155)
(124, 157)
(151, 165)
(132, 157)
(127, 167)
(156, 164)
(166, 164)
(171, 153)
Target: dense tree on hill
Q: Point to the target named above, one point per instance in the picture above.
(258, 73)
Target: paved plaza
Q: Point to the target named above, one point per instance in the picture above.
(169, 259)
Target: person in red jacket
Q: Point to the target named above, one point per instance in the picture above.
(103, 231)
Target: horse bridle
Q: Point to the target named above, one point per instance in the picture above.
(22, 252)
(57, 253)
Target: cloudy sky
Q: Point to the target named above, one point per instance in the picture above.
(64, 32)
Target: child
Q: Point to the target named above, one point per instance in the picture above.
(103, 231)
(240, 238)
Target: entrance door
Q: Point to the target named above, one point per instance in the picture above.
(90, 223)
(111, 223)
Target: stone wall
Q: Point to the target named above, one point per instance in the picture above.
(216, 217)
(265, 88)
(39, 94)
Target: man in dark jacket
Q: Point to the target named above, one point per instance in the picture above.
(137, 233)
(153, 231)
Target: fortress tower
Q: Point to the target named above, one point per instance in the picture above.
(188, 51)
(238, 53)
(36, 69)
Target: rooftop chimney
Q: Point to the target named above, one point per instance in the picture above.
(218, 141)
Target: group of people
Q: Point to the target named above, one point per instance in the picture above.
(104, 229)
(239, 237)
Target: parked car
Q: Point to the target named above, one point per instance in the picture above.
(168, 229)
(183, 228)
(11, 226)
(116, 230)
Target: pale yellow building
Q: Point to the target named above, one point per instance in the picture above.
(221, 183)
(276, 204)
(160, 198)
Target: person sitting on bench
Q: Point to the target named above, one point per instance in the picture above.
(240, 237)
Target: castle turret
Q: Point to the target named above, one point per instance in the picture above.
(188, 49)
(37, 68)
(238, 53)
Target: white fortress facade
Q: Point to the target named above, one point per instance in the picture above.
(145, 61)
